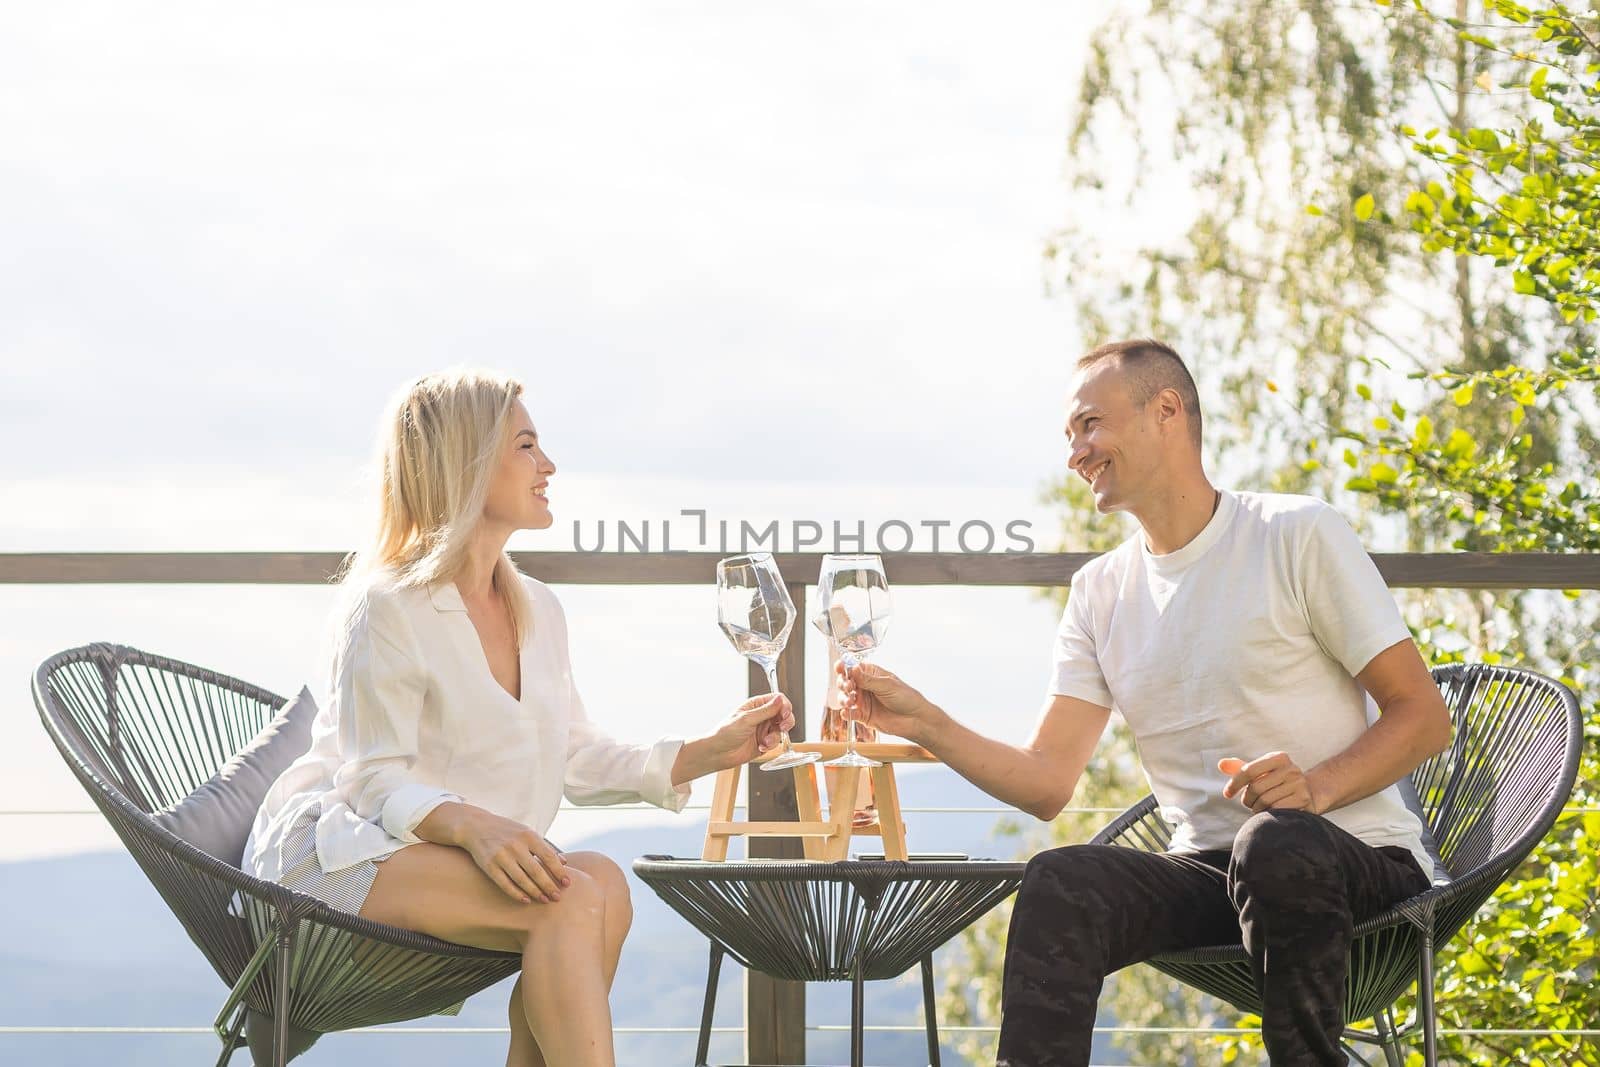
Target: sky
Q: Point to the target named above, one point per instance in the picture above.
(768, 261)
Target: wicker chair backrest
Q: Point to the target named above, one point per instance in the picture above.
(153, 729)
(1494, 789)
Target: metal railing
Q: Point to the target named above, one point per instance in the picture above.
(772, 1034)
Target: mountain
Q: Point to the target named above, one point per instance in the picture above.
(85, 940)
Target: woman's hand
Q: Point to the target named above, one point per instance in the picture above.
(753, 728)
(516, 858)
(880, 699)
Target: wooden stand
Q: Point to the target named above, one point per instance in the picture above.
(824, 839)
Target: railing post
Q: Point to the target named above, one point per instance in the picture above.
(775, 1012)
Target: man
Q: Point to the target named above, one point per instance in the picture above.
(1239, 634)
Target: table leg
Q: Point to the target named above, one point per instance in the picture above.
(890, 824)
(842, 811)
(809, 803)
(713, 972)
(857, 1010)
(723, 798)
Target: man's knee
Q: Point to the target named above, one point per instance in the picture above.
(1072, 887)
(1282, 846)
(1051, 874)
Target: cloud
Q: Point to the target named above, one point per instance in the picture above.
(687, 226)
(775, 261)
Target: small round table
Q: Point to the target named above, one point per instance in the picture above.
(851, 920)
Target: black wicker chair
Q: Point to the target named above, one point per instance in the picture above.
(1489, 799)
(142, 732)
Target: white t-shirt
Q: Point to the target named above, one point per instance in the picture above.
(1242, 642)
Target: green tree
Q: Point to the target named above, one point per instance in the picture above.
(1525, 198)
(1465, 258)
(1237, 113)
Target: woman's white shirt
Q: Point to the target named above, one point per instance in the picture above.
(414, 718)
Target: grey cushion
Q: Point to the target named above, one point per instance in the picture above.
(216, 818)
(258, 1034)
(1408, 796)
(1408, 793)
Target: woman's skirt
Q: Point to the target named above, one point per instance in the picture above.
(344, 889)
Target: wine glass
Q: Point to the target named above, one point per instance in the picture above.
(754, 610)
(853, 610)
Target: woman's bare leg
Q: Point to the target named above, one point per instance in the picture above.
(524, 1050)
(619, 903)
(438, 890)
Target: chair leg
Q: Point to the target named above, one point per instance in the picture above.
(230, 1040)
(930, 1016)
(1352, 1056)
(713, 973)
(235, 1001)
(1430, 1038)
(1384, 1021)
(280, 1006)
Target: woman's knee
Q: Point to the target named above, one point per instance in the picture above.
(611, 880)
(579, 911)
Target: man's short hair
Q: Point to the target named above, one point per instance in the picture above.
(1150, 367)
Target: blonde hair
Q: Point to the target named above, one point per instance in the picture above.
(438, 444)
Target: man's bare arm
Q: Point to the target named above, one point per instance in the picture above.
(1414, 725)
(1038, 777)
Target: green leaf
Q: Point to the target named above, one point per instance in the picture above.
(1460, 445)
(1363, 207)
(1364, 391)
(1483, 140)
(1384, 474)
(1420, 203)
(1422, 436)
(1522, 282)
(1462, 395)
(1312, 209)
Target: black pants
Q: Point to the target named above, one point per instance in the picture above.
(1294, 886)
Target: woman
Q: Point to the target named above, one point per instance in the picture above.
(453, 728)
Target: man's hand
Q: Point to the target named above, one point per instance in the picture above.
(1272, 781)
(880, 699)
